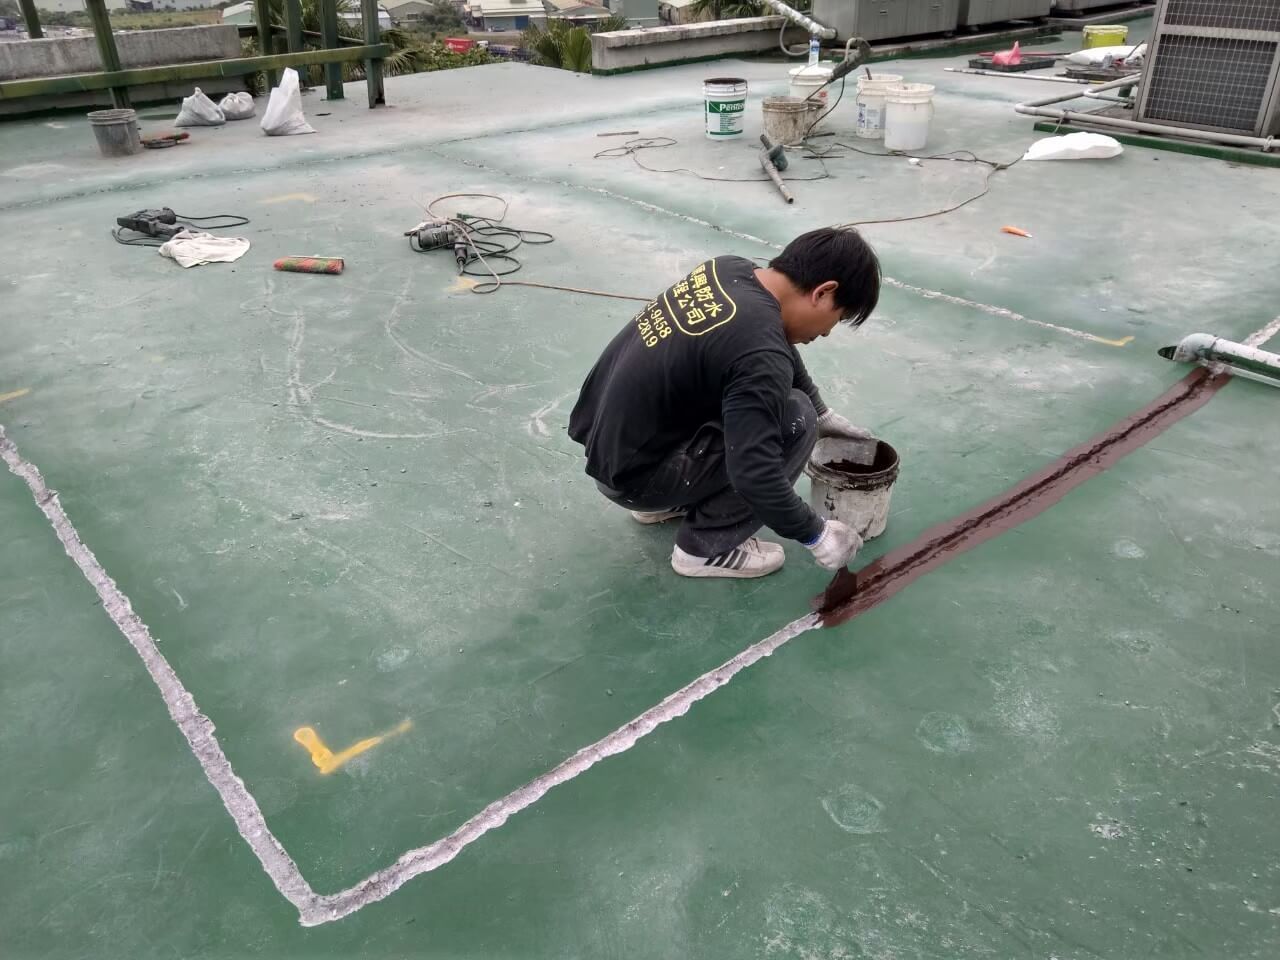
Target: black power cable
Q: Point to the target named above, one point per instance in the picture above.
(632, 149)
(185, 221)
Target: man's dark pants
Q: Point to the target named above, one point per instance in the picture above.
(695, 477)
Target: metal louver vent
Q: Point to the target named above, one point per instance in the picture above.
(1213, 64)
(1226, 14)
(1207, 82)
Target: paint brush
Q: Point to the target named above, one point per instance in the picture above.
(842, 588)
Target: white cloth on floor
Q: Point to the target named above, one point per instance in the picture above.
(192, 249)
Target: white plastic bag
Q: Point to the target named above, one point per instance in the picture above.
(1075, 146)
(283, 116)
(199, 111)
(237, 106)
(1130, 53)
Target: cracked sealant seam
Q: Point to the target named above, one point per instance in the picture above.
(991, 309)
(1260, 337)
(199, 732)
(194, 725)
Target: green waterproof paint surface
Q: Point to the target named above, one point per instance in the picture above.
(347, 502)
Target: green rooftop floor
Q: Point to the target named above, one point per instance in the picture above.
(346, 502)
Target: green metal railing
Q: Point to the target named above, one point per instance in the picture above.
(336, 51)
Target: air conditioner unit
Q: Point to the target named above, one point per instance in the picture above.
(886, 19)
(1214, 65)
(974, 13)
(1079, 6)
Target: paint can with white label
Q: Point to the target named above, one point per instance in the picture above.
(724, 105)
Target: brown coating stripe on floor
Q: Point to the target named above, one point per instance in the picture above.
(851, 593)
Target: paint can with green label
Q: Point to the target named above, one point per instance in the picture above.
(725, 105)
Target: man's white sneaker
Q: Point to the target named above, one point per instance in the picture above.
(657, 516)
(755, 558)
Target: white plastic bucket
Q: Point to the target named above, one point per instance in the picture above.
(871, 104)
(786, 119)
(854, 494)
(908, 110)
(724, 103)
(805, 80)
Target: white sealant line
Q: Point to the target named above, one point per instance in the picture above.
(1001, 312)
(424, 859)
(195, 726)
(1259, 337)
(314, 909)
(925, 292)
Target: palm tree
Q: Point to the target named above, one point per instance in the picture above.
(738, 9)
(311, 15)
(559, 44)
(727, 9)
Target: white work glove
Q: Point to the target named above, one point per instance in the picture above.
(831, 424)
(836, 545)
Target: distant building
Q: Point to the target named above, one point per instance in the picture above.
(60, 6)
(680, 11)
(639, 13)
(575, 11)
(509, 14)
(170, 4)
(409, 11)
(77, 6)
(355, 15)
(238, 13)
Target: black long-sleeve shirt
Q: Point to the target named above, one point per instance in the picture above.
(710, 348)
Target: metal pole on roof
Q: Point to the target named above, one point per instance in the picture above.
(262, 17)
(293, 33)
(107, 48)
(372, 68)
(329, 32)
(32, 16)
(1042, 108)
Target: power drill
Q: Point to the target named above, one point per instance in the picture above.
(152, 223)
(437, 234)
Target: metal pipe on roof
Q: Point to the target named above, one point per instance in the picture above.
(1205, 348)
(795, 16)
(1015, 76)
(1039, 108)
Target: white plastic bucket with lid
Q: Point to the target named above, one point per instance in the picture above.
(908, 110)
(871, 104)
(805, 80)
(724, 103)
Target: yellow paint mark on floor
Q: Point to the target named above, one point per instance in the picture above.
(1115, 343)
(462, 284)
(290, 198)
(326, 760)
(14, 394)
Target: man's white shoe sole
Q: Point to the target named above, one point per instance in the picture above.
(690, 566)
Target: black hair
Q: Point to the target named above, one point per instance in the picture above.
(839, 254)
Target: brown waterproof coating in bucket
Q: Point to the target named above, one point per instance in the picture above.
(853, 492)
